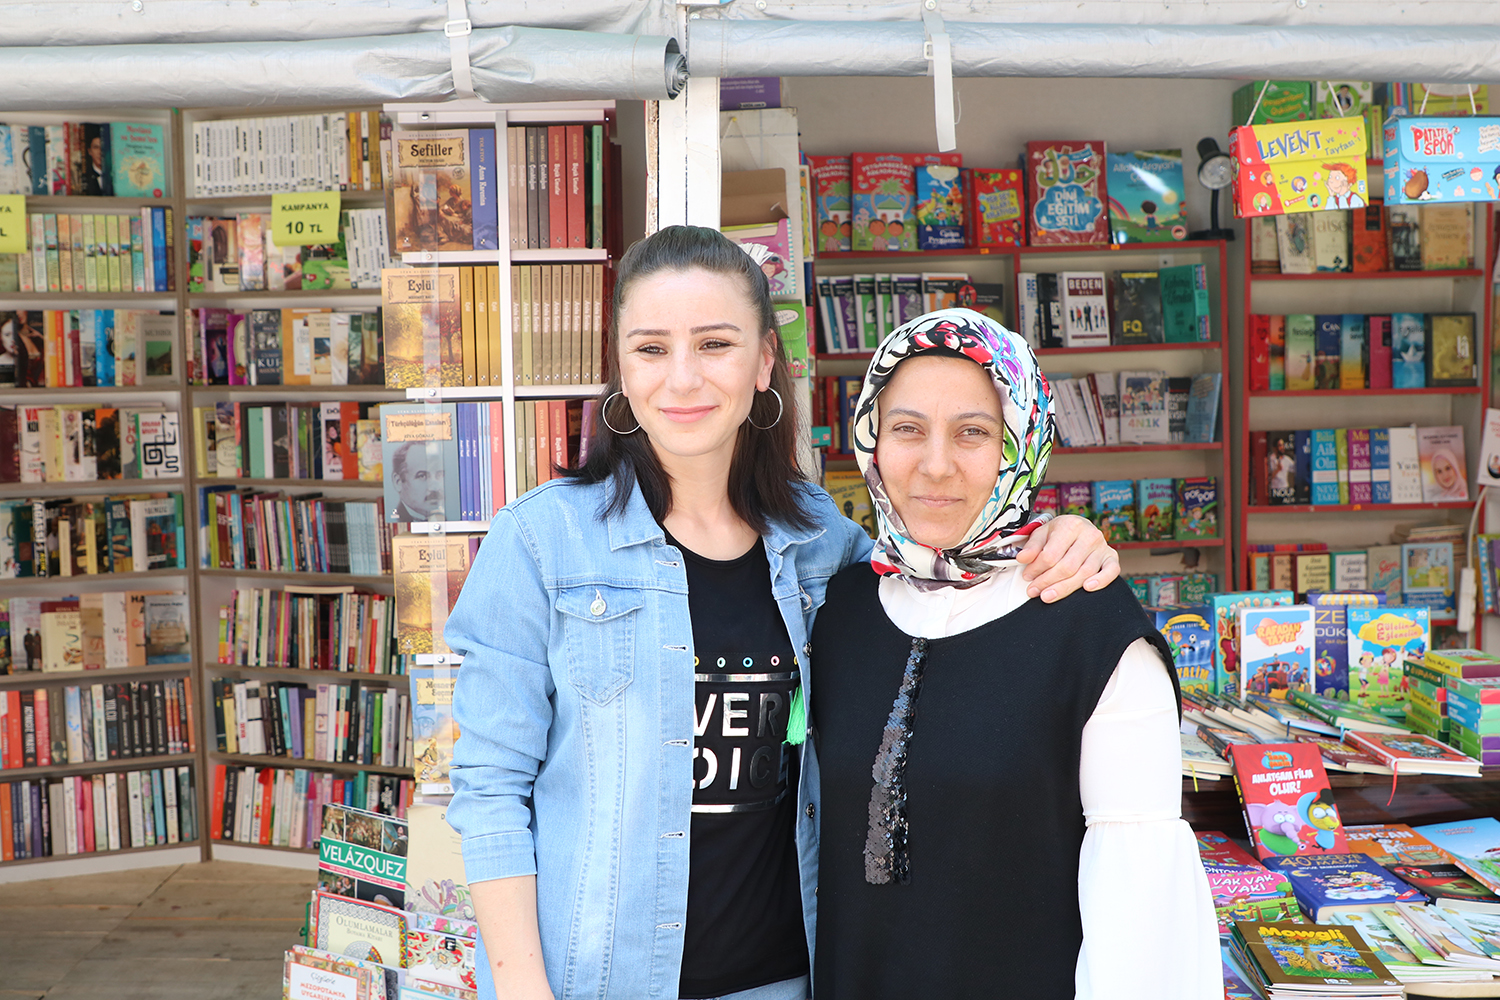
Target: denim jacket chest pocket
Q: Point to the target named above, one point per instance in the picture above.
(598, 626)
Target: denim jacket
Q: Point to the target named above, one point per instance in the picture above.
(575, 711)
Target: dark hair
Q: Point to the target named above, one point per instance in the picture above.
(763, 476)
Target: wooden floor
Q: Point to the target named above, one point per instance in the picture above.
(211, 931)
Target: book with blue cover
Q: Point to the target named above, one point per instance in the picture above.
(1330, 625)
(1408, 350)
(1146, 196)
(1325, 884)
(1277, 648)
(940, 207)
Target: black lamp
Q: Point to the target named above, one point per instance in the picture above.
(1215, 172)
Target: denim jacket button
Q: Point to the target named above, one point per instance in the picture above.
(812, 810)
(597, 608)
(807, 649)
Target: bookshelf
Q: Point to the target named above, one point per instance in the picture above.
(1126, 461)
(1359, 525)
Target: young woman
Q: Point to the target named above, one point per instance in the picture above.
(634, 636)
(1000, 777)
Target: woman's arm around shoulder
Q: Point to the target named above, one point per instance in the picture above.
(1148, 922)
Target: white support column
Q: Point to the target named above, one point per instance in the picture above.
(687, 156)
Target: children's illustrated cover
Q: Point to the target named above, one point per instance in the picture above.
(1191, 641)
(1427, 578)
(1114, 509)
(1327, 883)
(1330, 629)
(770, 247)
(1226, 623)
(1245, 889)
(1288, 806)
(1277, 649)
(1445, 472)
(435, 881)
(1380, 638)
(1155, 503)
(831, 179)
(1146, 196)
(1066, 190)
(1473, 842)
(940, 207)
(1310, 956)
(362, 855)
(997, 208)
(1197, 508)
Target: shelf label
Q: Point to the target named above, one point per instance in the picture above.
(300, 219)
(12, 223)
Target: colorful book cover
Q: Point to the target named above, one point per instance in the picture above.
(422, 327)
(362, 855)
(1408, 351)
(770, 246)
(1330, 629)
(1155, 504)
(1190, 639)
(997, 207)
(884, 194)
(940, 207)
(138, 160)
(1427, 578)
(433, 728)
(1380, 639)
(1474, 842)
(1114, 509)
(435, 881)
(1066, 189)
(1146, 196)
(1288, 805)
(1197, 514)
(1444, 881)
(419, 445)
(1327, 883)
(1226, 624)
(1077, 498)
(1383, 942)
(831, 192)
(357, 929)
(429, 201)
(1445, 472)
(1277, 650)
(1245, 889)
(420, 566)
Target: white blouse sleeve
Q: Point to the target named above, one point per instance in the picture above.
(1148, 922)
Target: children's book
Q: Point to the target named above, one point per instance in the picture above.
(831, 177)
(1190, 639)
(1414, 753)
(1474, 843)
(770, 246)
(1326, 884)
(1305, 958)
(1447, 883)
(1197, 514)
(1340, 756)
(1114, 509)
(1445, 474)
(1146, 196)
(1245, 889)
(1155, 504)
(1380, 639)
(997, 207)
(1399, 959)
(1288, 805)
(940, 207)
(1067, 191)
(1226, 639)
(1346, 715)
(1394, 844)
(1277, 650)
(1143, 408)
(1330, 625)
(1427, 578)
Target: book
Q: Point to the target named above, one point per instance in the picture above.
(997, 207)
(1186, 317)
(1414, 753)
(1452, 352)
(1143, 408)
(1190, 639)
(769, 246)
(1066, 193)
(1287, 802)
(1294, 243)
(1473, 842)
(435, 880)
(1277, 650)
(1155, 507)
(1146, 196)
(415, 355)
(429, 572)
(1380, 640)
(355, 928)
(1447, 237)
(1244, 889)
(1085, 308)
(1326, 884)
(1300, 359)
(1427, 577)
(883, 200)
(362, 857)
(1444, 467)
(1408, 351)
(940, 207)
(429, 198)
(831, 193)
(1114, 509)
(137, 160)
(1137, 312)
(1282, 954)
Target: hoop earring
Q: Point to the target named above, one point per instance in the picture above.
(780, 408)
(604, 416)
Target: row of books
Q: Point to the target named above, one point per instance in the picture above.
(1351, 351)
(443, 191)
(63, 536)
(1364, 240)
(98, 252)
(1136, 407)
(334, 151)
(1416, 572)
(550, 434)
(100, 722)
(123, 159)
(272, 532)
(1144, 510)
(332, 722)
(309, 628)
(283, 807)
(557, 325)
(1170, 305)
(1063, 193)
(81, 443)
(240, 254)
(424, 954)
(1358, 465)
(61, 348)
(1171, 589)
(1453, 697)
(294, 346)
(94, 631)
(284, 440)
(858, 310)
(93, 813)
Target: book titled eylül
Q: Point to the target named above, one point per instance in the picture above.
(1317, 959)
(1288, 806)
(362, 855)
(1326, 884)
(1277, 650)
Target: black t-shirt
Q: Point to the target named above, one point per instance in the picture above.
(744, 910)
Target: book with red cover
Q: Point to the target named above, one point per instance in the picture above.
(577, 209)
(1066, 196)
(1414, 753)
(1260, 352)
(1367, 233)
(997, 208)
(1288, 805)
(557, 187)
(1242, 887)
(1343, 756)
(1379, 342)
(831, 193)
(1395, 844)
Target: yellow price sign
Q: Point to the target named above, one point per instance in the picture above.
(12, 223)
(300, 219)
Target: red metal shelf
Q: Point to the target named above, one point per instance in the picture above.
(1127, 448)
(1453, 390)
(1335, 508)
(1002, 251)
(1172, 543)
(1197, 345)
(1472, 272)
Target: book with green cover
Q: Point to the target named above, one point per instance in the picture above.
(1185, 304)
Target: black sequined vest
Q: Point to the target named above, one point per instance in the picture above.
(993, 819)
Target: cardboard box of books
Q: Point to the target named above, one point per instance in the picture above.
(1310, 166)
(1442, 159)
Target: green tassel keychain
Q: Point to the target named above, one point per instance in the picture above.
(796, 720)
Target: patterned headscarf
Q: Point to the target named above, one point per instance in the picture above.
(1000, 530)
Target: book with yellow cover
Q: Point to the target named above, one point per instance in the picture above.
(422, 326)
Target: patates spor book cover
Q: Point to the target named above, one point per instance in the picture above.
(1288, 805)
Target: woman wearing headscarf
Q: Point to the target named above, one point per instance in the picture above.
(1001, 777)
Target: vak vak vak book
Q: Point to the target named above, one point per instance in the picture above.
(1245, 889)
(1277, 650)
(1288, 805)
